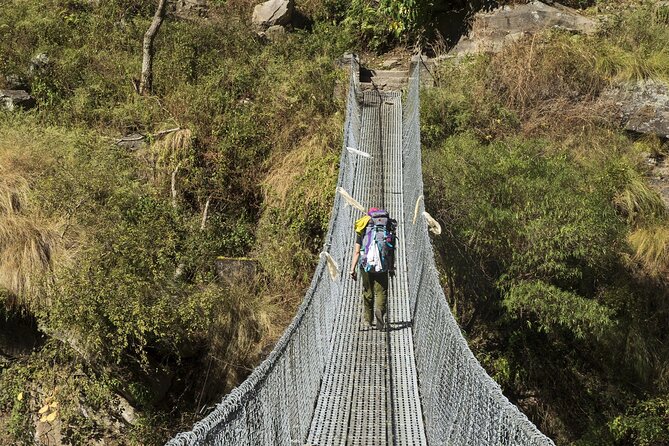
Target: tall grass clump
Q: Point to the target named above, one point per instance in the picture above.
(638, 202)
(298, 194)
(651, 250)
(28, 241)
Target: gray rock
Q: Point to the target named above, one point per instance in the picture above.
(273, 12)
(127, 412)
(15, 82)
(492, 31)
(39, 63)
(390, 63)
(133, 141)
(642, 106)
(48, 433)
(12, 99)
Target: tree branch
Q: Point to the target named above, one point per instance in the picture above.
(146, 81)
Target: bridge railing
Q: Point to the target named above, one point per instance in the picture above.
(275, 404)
(461, 404)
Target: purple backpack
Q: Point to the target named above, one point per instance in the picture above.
(380, 231)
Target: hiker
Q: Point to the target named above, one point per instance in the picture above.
(375, 239)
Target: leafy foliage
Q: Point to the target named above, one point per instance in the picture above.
(647, 423)
(554, 243)
(130, 288)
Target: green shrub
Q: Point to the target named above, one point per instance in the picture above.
(645, 424)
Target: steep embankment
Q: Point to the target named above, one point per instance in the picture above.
(555, 250)
(108, 245)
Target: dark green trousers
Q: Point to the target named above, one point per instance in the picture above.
(374, 293)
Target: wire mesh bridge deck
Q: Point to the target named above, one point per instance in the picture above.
(333, 380)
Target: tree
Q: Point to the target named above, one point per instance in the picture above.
(146, 81)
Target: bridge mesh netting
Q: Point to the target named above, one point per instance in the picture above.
(461, 404)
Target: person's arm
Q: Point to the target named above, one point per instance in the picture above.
(354, 263)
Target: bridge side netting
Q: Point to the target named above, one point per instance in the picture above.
(461, 404)
(275, 404)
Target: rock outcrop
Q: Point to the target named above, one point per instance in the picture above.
(13, 99)
(273, 12)
(642, 106)
(491, 31)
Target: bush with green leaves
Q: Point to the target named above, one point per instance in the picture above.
(555, 246)
(536, 225)
(645, 424)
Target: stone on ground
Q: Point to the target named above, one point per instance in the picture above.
(13, 99)
(191, 8)
(273, 12)
(275, 32)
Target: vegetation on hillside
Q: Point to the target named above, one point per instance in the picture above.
(554, 248)
(110, 252)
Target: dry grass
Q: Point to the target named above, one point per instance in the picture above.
(562, 115)
(168, 152)
(542, 69)
(638, 202)
(174, 147)
(651, 250)
(289, 167)
(27, 249)
(245, 329)
(13, 192)
(28, 242)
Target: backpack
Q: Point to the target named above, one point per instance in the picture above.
(379, 239)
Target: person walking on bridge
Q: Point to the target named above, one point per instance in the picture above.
(374, 255)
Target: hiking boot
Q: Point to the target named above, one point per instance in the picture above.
(380, 323)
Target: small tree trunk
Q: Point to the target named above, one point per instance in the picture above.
(146, 81)
(205, 214)
(173, 186)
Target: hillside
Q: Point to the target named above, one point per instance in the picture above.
(154, 246)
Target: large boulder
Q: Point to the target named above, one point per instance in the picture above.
(642, 106)
(273, 12)
(491, 31)
(12, 99)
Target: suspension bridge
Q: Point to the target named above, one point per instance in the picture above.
(331, 379)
